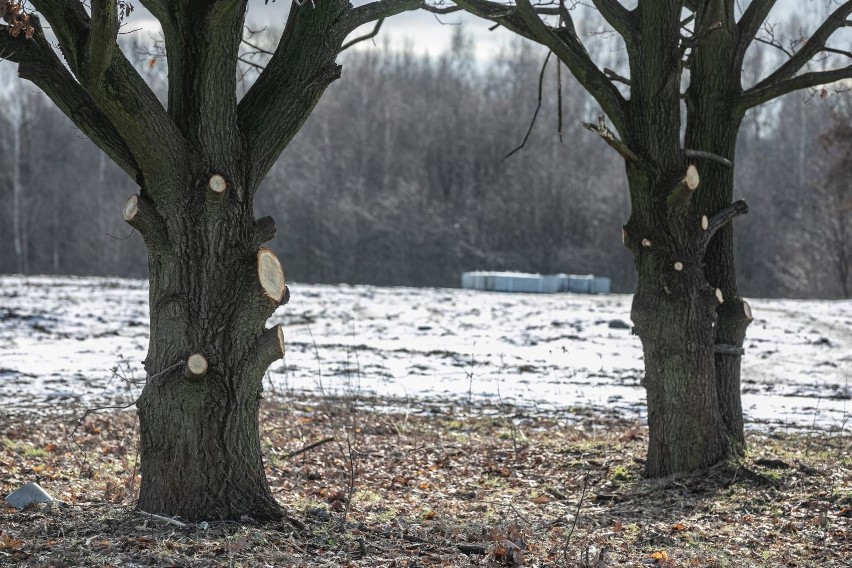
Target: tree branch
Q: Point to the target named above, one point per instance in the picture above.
(610, 138)
(619, 17)
(719, 220)
(564, 43)
(809, 48)
(158, 8)
(122, 96)
(142, 216)
(613, 76)
(379, 10)
(758, 95)
(286, 92)
(101, 41)
(748, 26)
(364, 37)
(206, 79)
(700, 154)
(39, 64)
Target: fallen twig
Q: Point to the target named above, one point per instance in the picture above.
(168, 520)
(308, 448)
(577, 514)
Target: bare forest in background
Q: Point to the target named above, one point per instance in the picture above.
(398, 178)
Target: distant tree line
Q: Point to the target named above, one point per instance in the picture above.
(418, 190)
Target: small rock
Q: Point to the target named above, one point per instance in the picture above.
(618, 324)
(27, 495)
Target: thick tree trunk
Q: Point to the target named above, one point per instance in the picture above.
(712, 125)
(674, 312)
(677, 332)
(212, 290)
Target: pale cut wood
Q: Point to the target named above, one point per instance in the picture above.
(196, 367)
(705, 222)
(623, 236)
(683, 191)
(131, 208)
(747, 311)
(143, 217)
(270, 274)
(678, 266)
(691, 180)
(217, 184)
(646, 242)
(720, 296)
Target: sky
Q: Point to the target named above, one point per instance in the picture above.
(426, 32)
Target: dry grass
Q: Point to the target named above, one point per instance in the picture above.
(451, 488)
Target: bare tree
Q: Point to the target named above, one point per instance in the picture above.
(837, 201)
(198, 164)
(687, 309)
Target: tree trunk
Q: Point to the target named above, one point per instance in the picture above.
(212, 290)
(713, 121)
(674, 312)
(17, 197)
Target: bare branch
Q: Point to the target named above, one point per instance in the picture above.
(613, 76)
(122, 96)
(719, 220)
(770, 40)
(570, 50)
(700, 35)
(709, 156)
(619, 17)
(287, 90)
(364, 37)
(758, 95)
(441, 10)
(101, 41)
(837, 51)
(244, 59)
(254, 46)
(506, 16)
(749, 24)
(379, 10)
(537, 107)
(785, 73)
(610, 138)
(39, 64)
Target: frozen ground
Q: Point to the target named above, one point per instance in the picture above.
(60, 338)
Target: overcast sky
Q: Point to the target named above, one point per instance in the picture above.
(426, 32)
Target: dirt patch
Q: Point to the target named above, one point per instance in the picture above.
(454, 487)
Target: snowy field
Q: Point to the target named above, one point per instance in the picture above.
(60, 338)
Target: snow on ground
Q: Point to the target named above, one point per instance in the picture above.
(60, 338)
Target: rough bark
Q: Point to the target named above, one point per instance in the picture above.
(198, 164)
(687, 309)
(674, 312)
(200, 448)
(713, 121)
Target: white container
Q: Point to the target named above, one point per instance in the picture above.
(535, 283)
